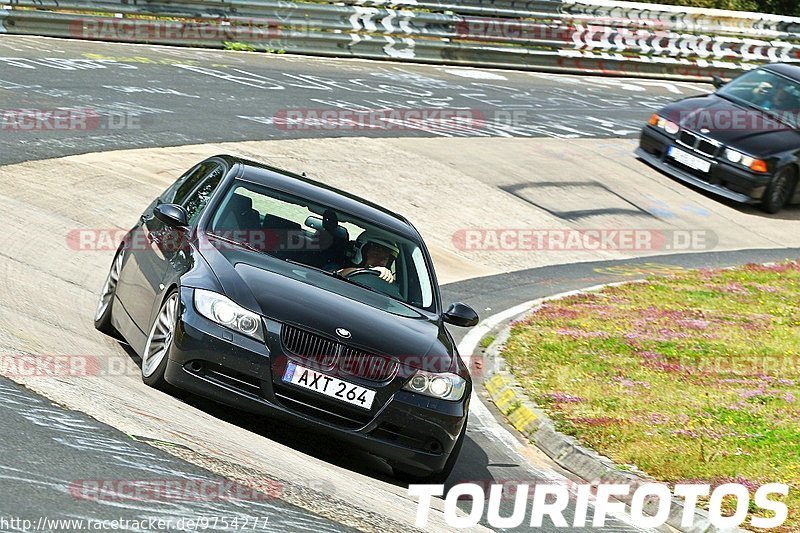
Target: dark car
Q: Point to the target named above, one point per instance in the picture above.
(231, 287)
(741, 142)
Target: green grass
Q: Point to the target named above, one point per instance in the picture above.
(487, 341)
(691, 376)
(238, 47)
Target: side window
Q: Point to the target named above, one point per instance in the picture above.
(168, 196)
(191, 181)
(194, 200)
(423, 283)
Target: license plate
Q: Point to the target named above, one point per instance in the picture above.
(688, 159)
(329, 386)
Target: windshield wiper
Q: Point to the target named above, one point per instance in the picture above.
(333, 274)
(778, 118)
(354, 282)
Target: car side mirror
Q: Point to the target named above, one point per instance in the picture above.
(172, 215)
(717, 81)
(460, 314)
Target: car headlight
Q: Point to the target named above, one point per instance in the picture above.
(225, 312)
(444, 386)
(757, 165)
(667, 125)
(733, 156)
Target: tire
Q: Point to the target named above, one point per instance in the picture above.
(159, 342)
(439, 477)
(102, 315)
(778, 191)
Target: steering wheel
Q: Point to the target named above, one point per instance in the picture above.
(372, 280)
(361, 271)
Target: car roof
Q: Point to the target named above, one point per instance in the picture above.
(787, 69)
(317, 192)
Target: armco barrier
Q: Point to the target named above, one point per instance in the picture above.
(595, 36)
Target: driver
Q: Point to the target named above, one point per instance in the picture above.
(762, 92)
(772, 97)
(781, 100)
(374, 253)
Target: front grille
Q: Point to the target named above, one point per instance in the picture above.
(367, 366)
(310, 346)
(325, 353)
(699, 143)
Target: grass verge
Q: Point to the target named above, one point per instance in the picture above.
(689, 377)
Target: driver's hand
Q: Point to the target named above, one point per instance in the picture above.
(763, 88)
(386, 274)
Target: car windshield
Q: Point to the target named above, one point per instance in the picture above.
(768, 92)
(316, 236)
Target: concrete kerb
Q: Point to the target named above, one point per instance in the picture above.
(530, 420)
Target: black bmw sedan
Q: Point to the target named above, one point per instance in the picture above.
(275, 294)
(741, 142)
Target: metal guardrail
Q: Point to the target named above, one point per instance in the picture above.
(575, 36)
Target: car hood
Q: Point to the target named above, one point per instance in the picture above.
(293, 294)
(740, 127)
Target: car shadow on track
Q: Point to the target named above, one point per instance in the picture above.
(789, 212)
(323, 446)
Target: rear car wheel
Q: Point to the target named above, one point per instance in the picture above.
(102, 316)
(778, 191)
(159, 342)
(436, 478)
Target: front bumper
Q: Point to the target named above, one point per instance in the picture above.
(724, 179)
(406, 429)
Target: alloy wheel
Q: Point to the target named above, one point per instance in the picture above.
(109, 287)
(161, 336)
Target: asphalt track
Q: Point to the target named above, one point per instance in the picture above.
(150, 96)
(60, 466)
